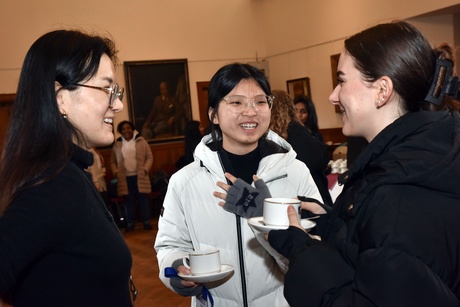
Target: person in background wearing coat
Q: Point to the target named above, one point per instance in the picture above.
(59, 245)
(239, 106)
(392, 237)
(98, 171)
(131, 161)
(311, 151)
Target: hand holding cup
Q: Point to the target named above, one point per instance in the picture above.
(293, 219)
(275, 211)
(203, 262)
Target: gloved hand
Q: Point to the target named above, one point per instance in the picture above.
(179, 287)
(325, 207)
(245, 200)
(287, 242)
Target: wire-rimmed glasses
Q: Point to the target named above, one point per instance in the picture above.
(237, 103)
(114, 92)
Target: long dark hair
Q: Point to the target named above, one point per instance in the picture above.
(312, 120)
(39, 140)
(400, 51)
(223, 82)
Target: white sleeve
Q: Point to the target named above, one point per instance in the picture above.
(173, 239)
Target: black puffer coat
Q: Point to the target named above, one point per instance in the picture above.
(393, 237)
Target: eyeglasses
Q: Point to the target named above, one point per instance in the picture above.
(114, 92)
(237, 103)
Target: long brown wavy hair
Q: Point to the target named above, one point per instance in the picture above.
(283, 113)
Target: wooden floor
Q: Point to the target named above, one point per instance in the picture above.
(145, 272)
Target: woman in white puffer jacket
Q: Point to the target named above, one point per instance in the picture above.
(240, 144)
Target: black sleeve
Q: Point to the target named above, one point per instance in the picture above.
(309, 150)
(319, 276)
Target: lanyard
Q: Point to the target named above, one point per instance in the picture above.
(205, 294)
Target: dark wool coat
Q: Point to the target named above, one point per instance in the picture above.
(59, 245)
(393, 237)
(314, 154)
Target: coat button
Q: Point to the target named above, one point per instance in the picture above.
(350, 207)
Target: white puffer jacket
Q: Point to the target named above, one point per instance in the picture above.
(193, 220)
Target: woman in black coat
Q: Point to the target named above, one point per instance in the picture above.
(59, 245)
(392, 238)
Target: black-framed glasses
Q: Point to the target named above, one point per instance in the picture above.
(114, 92)
(237, 103)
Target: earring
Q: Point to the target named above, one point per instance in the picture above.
(377, 105)
(64, 115)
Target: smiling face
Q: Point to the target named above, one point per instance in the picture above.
(241, 132)
(356, 99)
(87, 109)
(127, 132)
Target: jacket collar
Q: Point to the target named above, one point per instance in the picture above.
(418, 148)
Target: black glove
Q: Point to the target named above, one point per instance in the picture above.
(288, 241)
(179, 288)
(246, 201)
(313, 200)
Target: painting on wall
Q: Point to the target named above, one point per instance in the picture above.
(298, 87)
(158, 95)
(335, 82)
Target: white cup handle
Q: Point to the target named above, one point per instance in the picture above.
(184, 262)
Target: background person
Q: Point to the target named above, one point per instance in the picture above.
(98, 171)
(131, 161)
(285, 122)
(239, 105)
(306, 111)
(58, 240)
(392, 237)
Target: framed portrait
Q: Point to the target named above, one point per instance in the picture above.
(335, 82)
(298, 87)
(158, 95)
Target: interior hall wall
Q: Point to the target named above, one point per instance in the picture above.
(296, 37)
(209, 33)
(302, 35)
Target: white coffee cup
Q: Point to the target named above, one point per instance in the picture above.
(203, 262)
(275, 210)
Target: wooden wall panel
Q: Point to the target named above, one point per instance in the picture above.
(333, 135)
(163, 154)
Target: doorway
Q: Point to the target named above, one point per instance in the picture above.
(202, 92)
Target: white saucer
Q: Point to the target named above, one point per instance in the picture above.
(258, 224)
(225, 269)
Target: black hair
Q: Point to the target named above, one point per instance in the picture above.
(312, 119)
(400, 51)
(224, 81)
(121, 124)
(38, 137)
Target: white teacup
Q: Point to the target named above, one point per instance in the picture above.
(203, 262)
(275, 210)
